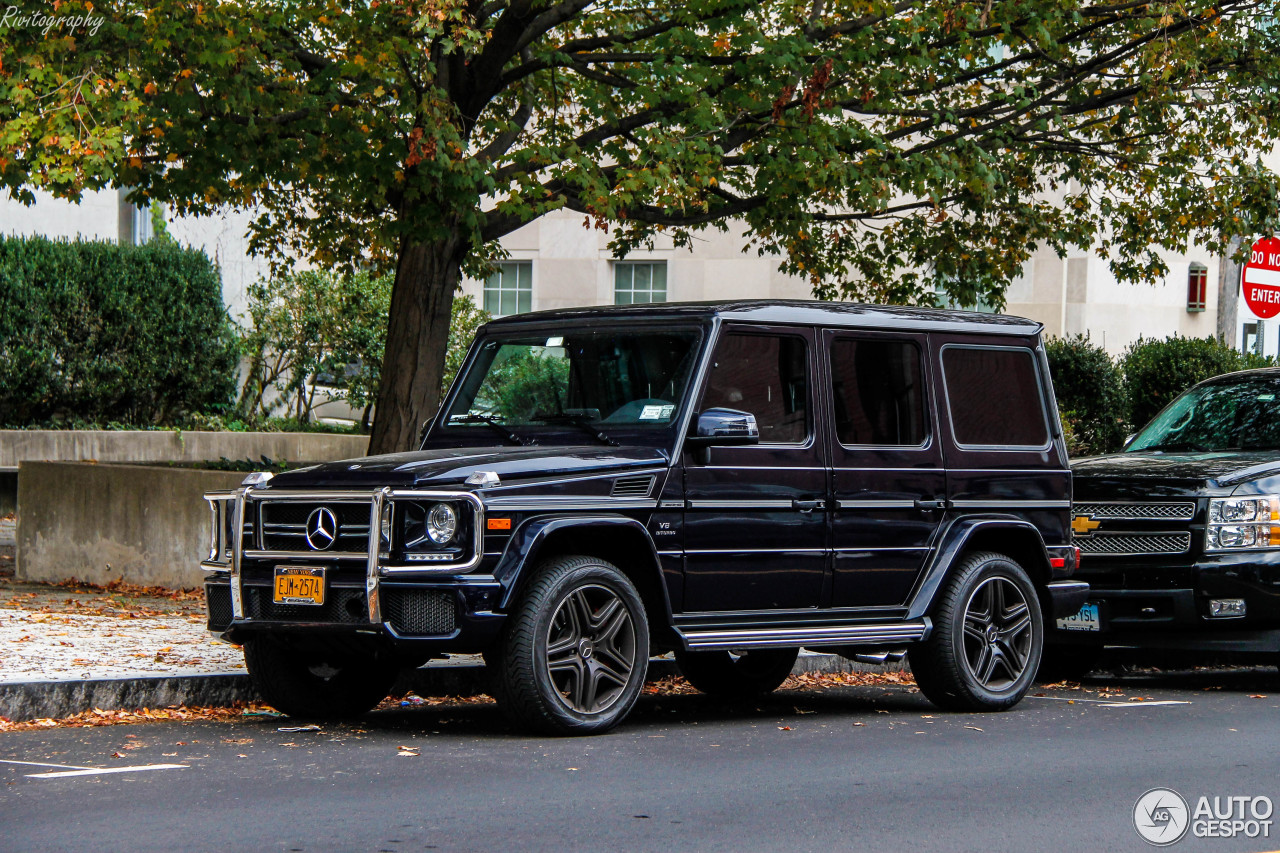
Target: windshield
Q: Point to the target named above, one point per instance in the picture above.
(592, 384)
(1237, 415)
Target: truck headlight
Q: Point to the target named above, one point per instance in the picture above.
(1243, 523)
(428, 526)
(442, 523)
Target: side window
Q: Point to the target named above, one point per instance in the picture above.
(766, 375)
(994, 397)
(879, 393)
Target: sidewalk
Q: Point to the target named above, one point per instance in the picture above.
(66, 649)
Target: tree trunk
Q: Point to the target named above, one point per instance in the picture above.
(1228, 294)
(417, 337)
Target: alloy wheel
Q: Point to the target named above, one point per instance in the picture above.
(591, 648)
(997, 633)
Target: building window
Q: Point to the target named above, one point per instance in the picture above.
(1254, 335)
(639, 282)
(1197, 277)
(510, 289)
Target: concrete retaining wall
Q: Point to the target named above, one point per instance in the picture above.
(41, 445)
(100, 523)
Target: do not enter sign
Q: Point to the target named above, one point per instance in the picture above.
(1262, 278)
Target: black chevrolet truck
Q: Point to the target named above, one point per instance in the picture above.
(726, 481)
(1180, 533)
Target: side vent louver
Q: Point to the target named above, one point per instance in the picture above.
(633, 487)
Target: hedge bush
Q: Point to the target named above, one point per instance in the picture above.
(1157, 371)
(1091, 394)
(93, 333)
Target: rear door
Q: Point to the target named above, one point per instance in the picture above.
(1003, 455)
(888, 478)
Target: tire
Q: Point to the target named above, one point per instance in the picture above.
(988, 635)
(309, 682)
(726, 676)
(1067, 662)
(573, 655)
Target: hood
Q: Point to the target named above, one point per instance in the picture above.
(452, 466)
(1169, 473)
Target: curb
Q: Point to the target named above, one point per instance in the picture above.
(459, 676)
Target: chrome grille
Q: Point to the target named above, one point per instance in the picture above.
(284, 525)
(419, 613)
(1134, 544)
(1179, 511)
(632, 487)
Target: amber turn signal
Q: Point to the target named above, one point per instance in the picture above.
(498, 524)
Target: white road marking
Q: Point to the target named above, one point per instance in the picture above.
(90, 771)
(1103, 703)
(44, 764)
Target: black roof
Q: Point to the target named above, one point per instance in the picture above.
(792, 311)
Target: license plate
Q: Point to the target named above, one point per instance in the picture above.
(1086, 619)
(299, 585)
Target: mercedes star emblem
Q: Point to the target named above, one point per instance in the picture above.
(322, 529)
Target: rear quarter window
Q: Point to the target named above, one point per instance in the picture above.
(994, 397)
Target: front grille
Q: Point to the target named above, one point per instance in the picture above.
(1180, 511)
(284, 525)
(1134, 544)
(218, 599)
(342, 606)
(417, 613)
(632, 487)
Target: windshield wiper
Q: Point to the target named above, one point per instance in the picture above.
(1178, 445)
(493, 424)
(582, 422)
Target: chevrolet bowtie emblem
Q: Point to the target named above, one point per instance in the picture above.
(1083, 525)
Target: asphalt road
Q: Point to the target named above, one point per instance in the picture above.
(843, 769)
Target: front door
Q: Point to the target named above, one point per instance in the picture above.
(888, 479)
(756, 517)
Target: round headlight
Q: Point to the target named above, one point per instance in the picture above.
(442, 523)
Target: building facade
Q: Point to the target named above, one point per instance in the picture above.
(558, 262)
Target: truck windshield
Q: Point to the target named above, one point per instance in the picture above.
(588, 383)
(1240, 414)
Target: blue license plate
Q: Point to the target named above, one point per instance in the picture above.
(1085, 619)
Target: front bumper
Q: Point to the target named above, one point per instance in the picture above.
(430, 607)
(1149, 605)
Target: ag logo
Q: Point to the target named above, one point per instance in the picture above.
(1083, 525)
(1161, 816)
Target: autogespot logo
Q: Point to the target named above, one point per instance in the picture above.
(1161, 817)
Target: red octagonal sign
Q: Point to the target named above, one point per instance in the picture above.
(1261, 281)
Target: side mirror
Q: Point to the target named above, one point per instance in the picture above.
(723, 428)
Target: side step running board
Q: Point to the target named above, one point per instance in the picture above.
(843, 635)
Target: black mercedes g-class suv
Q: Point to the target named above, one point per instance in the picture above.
(727, 481)
(1180, 533)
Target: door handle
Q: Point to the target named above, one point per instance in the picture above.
(805, 506)
(928, 505)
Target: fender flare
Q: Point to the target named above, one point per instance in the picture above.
(954, 541)
(522, 551)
